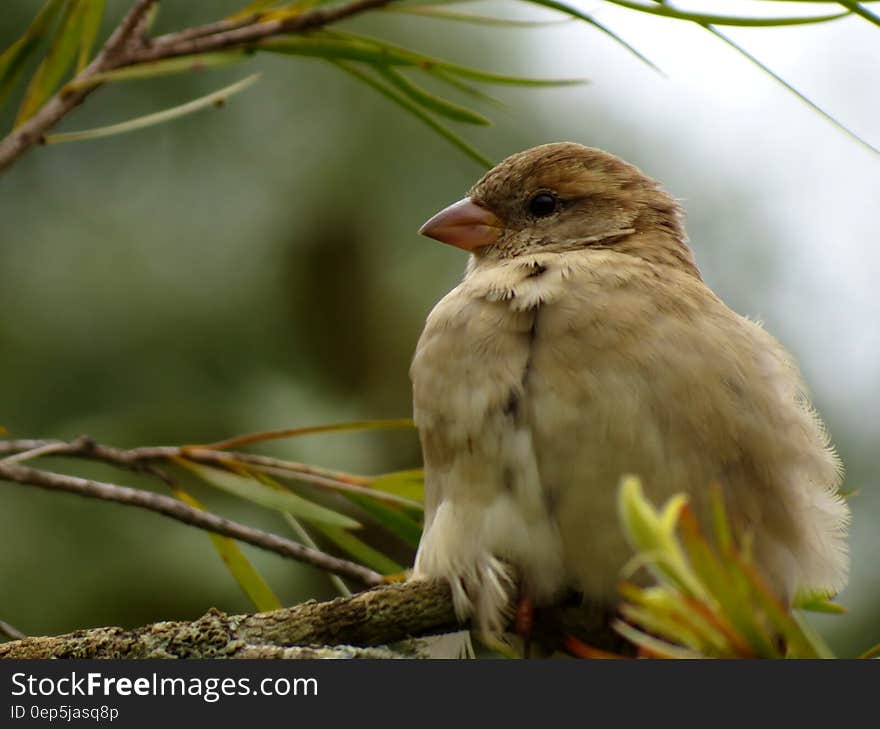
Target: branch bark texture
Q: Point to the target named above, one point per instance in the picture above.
(381, 616)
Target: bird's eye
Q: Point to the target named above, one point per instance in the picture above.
(542, 205)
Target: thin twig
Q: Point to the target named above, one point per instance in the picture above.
(184, 44)
(238, 441)
(181, 512)
(221, 26)
(136, 459)
(44, 450)
(127, 28)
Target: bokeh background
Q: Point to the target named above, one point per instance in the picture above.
(258, 267)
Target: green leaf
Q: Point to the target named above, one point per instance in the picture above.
(306, 538)
(818, 602)
(776, 77)
(466, 88)
(169, 66)
(218, 97)
(409, 484)
(251, 489)
(245, 574)
(54, 66)
(418, 112)
(14, 59)
(701, 18)
(337, 45)
(252, 8)
(653, 646)
(858, 9)
(433, 103)
(730, 590)
(580, 15)
(363, 553)
(394, 520)
(92, 12)
(433, 11)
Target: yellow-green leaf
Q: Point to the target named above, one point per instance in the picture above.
(409, 484)
(431, 102)
(245, 574)
(818, 602)
(362, 552)
(14, 59)
(744, 22)
(149, 120)
(344, 46)
(441, 13)
(417, 112)
(170, 66)
(394, 520)
(253, 490)
(92, 12)
(580, 15)
(252, 8)
(54, 66)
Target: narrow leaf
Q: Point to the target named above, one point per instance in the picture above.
(56, 63)
(441, 13)
(776, 77)
(251, 9)
(394, 520)
(653, 646)
(580, 15)
(362, 552)
(92, 12)
(668, 12)
(14, 59)
(306, 538)
(409, 484)
(218, 97)
(168, 67)
(858, 9)
(418, 112)
(251, 489)
(818, 602)
(245, 574)
(466, 88)
(436, 104)
(352, 47)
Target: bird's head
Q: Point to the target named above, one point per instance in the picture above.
(563, 197)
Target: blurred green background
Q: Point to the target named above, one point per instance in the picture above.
(258, 267)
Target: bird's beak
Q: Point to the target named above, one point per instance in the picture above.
(465, 225)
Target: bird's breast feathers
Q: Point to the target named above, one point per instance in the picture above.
(540, 380)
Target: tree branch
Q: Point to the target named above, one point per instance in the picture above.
(378, 617)
(118, 52)
(384, 615)
(140, 460)
(186, 514)
(185, 44)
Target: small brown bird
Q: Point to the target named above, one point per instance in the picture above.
(583, 345)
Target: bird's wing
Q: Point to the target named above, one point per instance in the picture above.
(641, 369)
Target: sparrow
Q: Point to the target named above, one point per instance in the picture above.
(583, 345)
